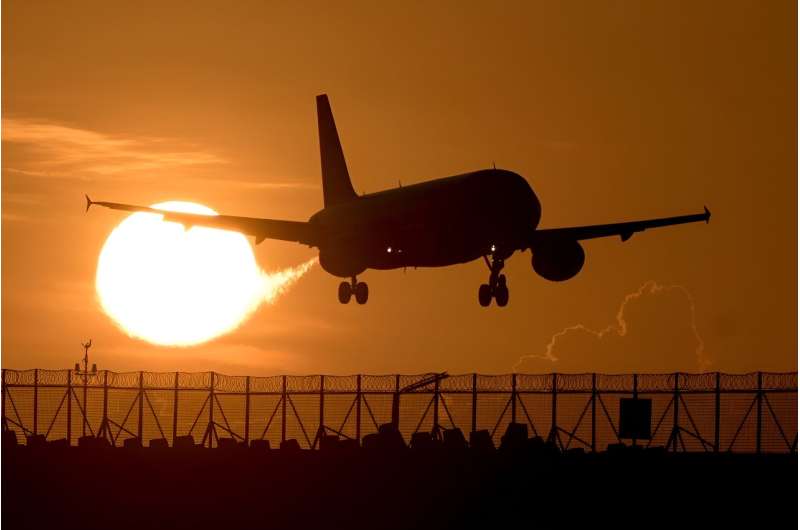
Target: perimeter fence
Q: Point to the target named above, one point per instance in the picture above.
(746, 413)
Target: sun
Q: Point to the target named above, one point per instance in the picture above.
(174, 286)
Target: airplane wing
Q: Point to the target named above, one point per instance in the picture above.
(623, 230)
(297, 231)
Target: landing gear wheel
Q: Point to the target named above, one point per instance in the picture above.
(484, 295)
(501, 295)
(361, 292)
(345, 292)
(497, 287)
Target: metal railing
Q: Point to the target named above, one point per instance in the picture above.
(755, 412)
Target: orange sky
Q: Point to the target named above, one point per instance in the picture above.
(612, 111)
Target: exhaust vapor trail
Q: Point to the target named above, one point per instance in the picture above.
(274, 284)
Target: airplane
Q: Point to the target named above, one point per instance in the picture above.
(487, 214)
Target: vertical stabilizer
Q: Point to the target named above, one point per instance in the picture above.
(336, 186)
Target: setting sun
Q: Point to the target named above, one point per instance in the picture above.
(175, 286)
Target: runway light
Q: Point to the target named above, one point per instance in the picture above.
(494, 248)
(389, 250)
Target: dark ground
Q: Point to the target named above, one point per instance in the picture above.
(63, 488)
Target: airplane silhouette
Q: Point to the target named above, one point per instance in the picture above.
(486, 214)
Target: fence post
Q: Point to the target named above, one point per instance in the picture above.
(474, 402)
(436, 408)
(716, 413)
(594, 411)
(36, 401)
(358, 408)
(175, 410)
(758, 415)
(396, 403)
(283, 411)
(211, 428)
(140, 426)
(104, 423)
(513, 398)
(85, 401)
(5, 422)
(321, 428)
(676, 404)
(553, 411)
(69, 407)
(247, 411)
(3, 405)
(635, 396)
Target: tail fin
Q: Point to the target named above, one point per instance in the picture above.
(336, 186)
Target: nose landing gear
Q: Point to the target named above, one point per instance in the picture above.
(497, 287)
(353, 287)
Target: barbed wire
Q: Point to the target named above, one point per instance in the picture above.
(646, 382)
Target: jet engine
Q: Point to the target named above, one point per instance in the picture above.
(341, 263)
(558, 260)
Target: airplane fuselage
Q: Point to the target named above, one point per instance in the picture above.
(432, 224)
(489, 213)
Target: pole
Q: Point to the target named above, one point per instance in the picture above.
(635, 396)
(140, 425)
(321, 428)
(474, 402)
(175, 410)
(513, 398)
(758, 415)
(436, 408)
(69, 407)
(396, 403)
(716, 413)
(85, 397)
(553, 410)
(35, 401)
(283, 411)
(105, 403)
(247, 411)
(675, 413)
(594, 413)
(358, 408)
(3, 404)
(211, 429)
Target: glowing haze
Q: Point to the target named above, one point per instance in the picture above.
(613, 111)
(173, 286)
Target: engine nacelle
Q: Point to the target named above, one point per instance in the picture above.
(342, 264)
(558, 260)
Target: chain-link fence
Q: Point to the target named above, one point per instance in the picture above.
(746, 413)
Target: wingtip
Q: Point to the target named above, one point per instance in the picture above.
(708, 214)
(89, 201)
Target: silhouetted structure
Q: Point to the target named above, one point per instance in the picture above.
(690, 412)
(415, 470)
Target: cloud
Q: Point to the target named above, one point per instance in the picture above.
(32, 199)
(261, 185)
(655, 330)
(16, 218)
(69, 152)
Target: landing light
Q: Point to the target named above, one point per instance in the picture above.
(389, 250)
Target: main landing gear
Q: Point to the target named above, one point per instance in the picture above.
(354, 287)
(496, 288)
